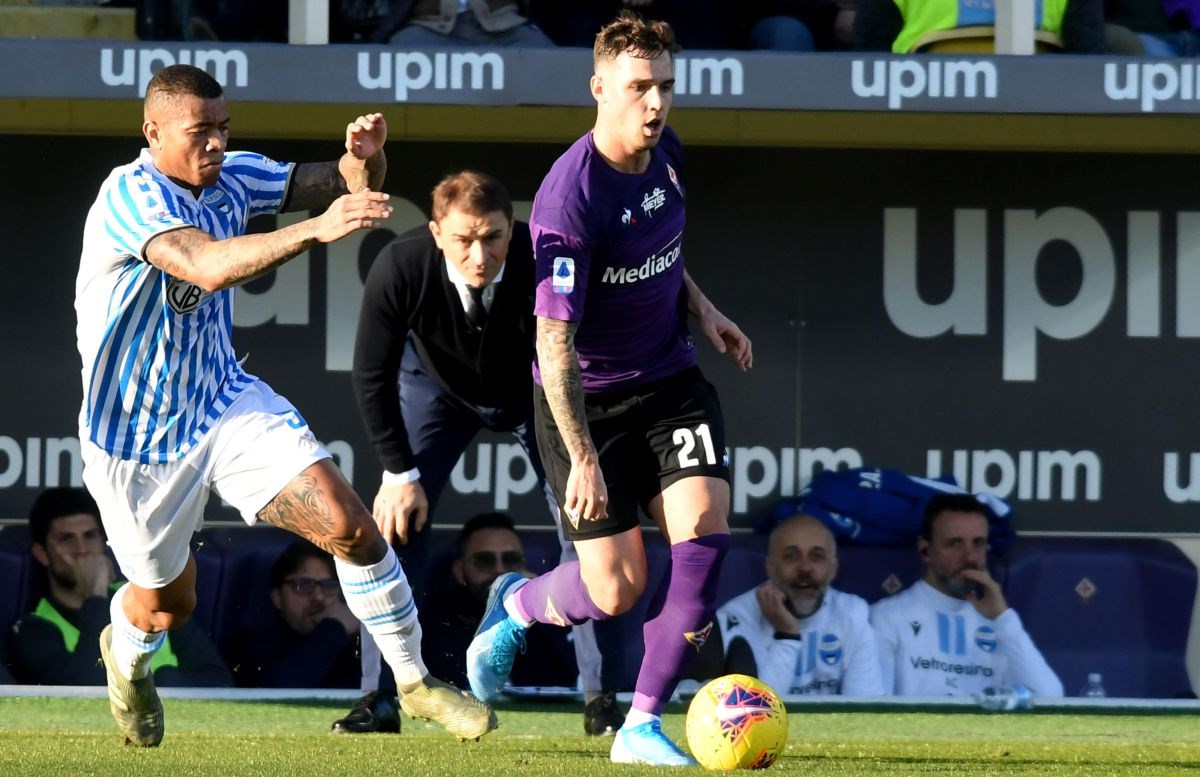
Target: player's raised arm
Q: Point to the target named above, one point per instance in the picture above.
(586, 494)
(195, 256)
(726, 336)
(364, 166)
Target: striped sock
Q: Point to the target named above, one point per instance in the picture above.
(379, 596)
(132, 648)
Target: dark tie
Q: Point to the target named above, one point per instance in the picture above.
(477, 314)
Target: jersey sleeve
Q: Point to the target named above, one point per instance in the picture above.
(264, 180)
(778, 664)
(863, 676)
(562, 249)
(138, 208)
(1025, 664)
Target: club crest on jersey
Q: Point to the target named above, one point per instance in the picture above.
(985, 638)
(830, 649)
(553, 615)
(698, 637)
(674, 179)
(183, 297)
(218, 200)
(653, 200)
(562, 280)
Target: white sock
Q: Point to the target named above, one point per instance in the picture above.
(369, 659)
(132, 648)
(638, 717)
(510, 607)
(379, 596)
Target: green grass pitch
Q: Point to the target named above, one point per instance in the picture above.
(57, 736)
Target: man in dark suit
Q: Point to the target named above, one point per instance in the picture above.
(445, 311)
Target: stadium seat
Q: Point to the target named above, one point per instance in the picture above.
(208, 582)
(14, 562)
(241, 596)
(876, 571)
(1119, 607)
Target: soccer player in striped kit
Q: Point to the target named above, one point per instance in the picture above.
(169, 414)
(624, 418)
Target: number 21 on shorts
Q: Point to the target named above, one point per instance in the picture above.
(688, 452)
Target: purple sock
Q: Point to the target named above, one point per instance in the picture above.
(679, 618)
(558, 597)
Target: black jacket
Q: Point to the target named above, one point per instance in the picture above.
(409, 292)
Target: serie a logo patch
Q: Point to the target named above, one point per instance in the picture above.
(563, 278)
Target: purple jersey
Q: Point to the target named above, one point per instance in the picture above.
(615, 240)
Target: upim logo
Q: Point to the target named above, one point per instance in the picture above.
(1029, 475)
(138, 66)
(904, 79)
(1152, 82)
(708, 75)
(1026, 312)
(406, 71)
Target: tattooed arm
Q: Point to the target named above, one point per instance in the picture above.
(586, 494)
(364, 166)
(195, 256)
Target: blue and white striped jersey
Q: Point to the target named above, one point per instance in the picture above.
(158, 364)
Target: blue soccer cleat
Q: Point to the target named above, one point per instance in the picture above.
(497, 640)
(646, 743)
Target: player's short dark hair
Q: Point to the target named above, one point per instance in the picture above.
(480, 522)
(54, 503)
(176, 81)
(948, 503)
(472, 192)
(630, 32)
(294, 556)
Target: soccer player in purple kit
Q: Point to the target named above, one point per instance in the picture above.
(624, 418)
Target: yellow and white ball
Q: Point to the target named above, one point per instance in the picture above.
(736, 722)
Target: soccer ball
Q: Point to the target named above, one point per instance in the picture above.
(736, 722)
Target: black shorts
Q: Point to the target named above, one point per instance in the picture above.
(648, 437)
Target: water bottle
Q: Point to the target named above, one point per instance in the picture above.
(1094, 688)
(1005, 698)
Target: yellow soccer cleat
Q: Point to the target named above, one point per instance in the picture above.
(457, 711)
(134, 703)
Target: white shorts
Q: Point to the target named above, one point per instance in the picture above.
(150, 511)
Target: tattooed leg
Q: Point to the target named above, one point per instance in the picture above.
(321, 507)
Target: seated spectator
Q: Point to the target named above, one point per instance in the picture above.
(313, 640)
(698, 24)
(794, 632)
(1153, 28)
(897, 25)
(488, 545)
(951, 633)
(481, 23)
(798, 25)
(58, 643)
